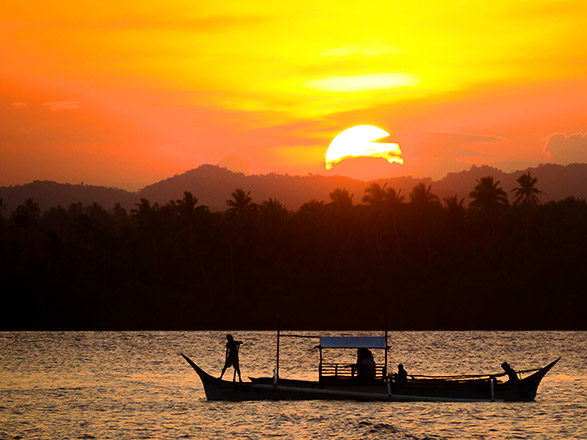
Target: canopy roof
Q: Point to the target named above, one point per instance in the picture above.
(353, 342)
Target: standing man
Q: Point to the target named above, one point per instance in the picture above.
(232, 348)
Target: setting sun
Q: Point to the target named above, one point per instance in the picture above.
(359, 141)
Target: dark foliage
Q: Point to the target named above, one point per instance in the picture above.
(392, 262)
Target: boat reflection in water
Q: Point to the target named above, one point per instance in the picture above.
(365, 381)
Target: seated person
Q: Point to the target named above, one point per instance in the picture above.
(365, 365)
(511, 373)
(402, 375)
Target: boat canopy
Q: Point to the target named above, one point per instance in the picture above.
(353, 342)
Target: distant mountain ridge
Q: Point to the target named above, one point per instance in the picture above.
(48, 194)
(212, 185)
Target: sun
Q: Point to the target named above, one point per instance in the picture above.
(358, 141)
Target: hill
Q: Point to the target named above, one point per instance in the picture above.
(48, 194)
(555, 181)
(212, 185)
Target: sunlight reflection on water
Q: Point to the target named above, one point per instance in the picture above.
(134, 385)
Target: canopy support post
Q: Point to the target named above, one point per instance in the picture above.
(386, 350)
(320, 366)
(277, 357)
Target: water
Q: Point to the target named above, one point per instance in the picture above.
(134, 385)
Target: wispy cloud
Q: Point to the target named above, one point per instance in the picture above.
(56, 106)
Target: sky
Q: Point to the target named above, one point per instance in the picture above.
(128, 93)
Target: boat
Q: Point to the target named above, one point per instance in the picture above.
(345, 382)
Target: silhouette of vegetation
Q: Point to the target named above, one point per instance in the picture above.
(527, 193)
(489, 199)
(241, 204)
(389, 261)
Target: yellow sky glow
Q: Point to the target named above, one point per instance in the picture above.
(226, 75)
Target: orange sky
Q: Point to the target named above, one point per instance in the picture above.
(127, 94)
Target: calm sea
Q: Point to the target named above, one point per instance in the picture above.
(135, 385)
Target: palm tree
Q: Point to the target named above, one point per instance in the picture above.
(422, 203)
(187, 209)
(241, 203)
(273, 210)
(375, 196)
(341, 199)
(488, 199)
(487, 195)
(394, 199)
(421, 198)
(146, 217)
(455, 208)
(85, 229)
(144, 213)
(394, 204)
(2, 208)
(26, 215)
(527, 197)
(527, 194)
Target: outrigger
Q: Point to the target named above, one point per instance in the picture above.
(343, 381)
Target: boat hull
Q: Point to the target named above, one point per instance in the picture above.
(417, 390)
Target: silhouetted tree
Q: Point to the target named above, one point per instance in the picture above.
(526, 193)
(301, 263)
(394, 199)
(456, 210)
(422, 199)
(241, 203)
(84, 229)
(75, 210)
(423, 203)
(145, 214)
(341, 199)
(375, 196)
(147, 223)
(273, 211)
(120, 216)
(26, 215)
(394, 210)
(2, 209)
(187, 209)
(488, 200)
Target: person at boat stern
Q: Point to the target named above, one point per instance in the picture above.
(232, 348)
(402, 375)
(511, 373)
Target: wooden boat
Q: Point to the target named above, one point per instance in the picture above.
(342, 382)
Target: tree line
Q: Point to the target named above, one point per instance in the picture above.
(413, 261)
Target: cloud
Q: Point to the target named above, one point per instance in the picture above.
(56, 106)
(18, 104)
(565, 149)
(235, 163)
